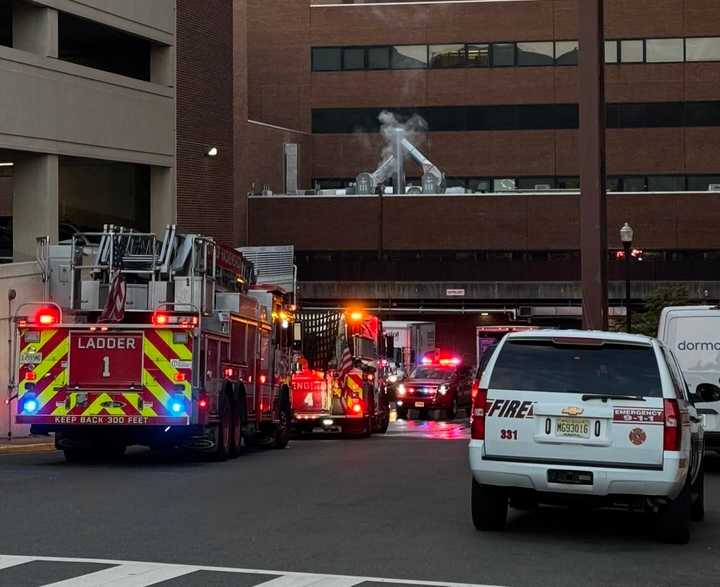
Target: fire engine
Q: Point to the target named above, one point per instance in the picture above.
(163, 343)
(338, 384)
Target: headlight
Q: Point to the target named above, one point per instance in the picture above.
(392, 379)
(443, 389)
(401, 390)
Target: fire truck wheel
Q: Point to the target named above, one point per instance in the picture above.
(383, 419)
(223, 430)
(282, 429)
(402, 413)
(237, 421)
(452, 410)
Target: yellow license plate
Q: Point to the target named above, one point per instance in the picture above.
(572, 427)
(419, 404)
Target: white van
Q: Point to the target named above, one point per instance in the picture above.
(693, 334)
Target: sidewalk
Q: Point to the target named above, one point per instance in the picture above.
(27, 444)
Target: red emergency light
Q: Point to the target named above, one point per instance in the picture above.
(46, 316)
(443, 361)
(161, 319)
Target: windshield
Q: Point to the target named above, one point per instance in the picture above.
(430, 372)
(610, 369)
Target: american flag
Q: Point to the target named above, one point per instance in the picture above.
(346, 364)
(115, 306)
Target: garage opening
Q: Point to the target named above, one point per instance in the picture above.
(6, 30)
(102, 47)
(94, 193)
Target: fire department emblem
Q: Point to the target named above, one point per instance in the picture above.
(637, 436)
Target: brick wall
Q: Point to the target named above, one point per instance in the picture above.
(205, 195)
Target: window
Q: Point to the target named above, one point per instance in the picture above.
(703, 49)
(326, 59)
(409, 57)
(478, 55)
(535, 183)
(632, 51)
(542, 366)
(480, 185)
(634, 183)
(614, 184)
(378, 58)
(353, 58)
(568, 183)
(503, 54)
(702, 183)
(702, 114)
(535, 53)
(611, 51)
(666, 183)
(447, 55)
(504, 185)
(566, 52)
(665, 50)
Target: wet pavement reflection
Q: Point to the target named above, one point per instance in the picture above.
(458, 429)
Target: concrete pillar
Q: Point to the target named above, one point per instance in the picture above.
(163, 204)
(36, 203)
(35, 29)
(162, 65)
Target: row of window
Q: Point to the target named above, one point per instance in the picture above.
(615, 183)
(511, 54)
(519, 117)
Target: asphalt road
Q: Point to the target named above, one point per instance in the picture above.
(391, 507)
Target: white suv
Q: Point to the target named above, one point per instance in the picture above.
(566, 415)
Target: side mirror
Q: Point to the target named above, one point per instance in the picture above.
(707, 392)
(297, 336)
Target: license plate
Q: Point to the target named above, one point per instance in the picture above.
(572, 427)
(31, 358)
(419, 404)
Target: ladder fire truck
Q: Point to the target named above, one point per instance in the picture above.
(338, 384)
(199, 357)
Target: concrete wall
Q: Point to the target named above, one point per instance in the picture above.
(24, 278)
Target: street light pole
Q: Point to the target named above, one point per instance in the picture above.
(626, 236)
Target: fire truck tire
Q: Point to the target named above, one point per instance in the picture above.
(223, 429)
(239, 417)
(281, 434)
(402, 413)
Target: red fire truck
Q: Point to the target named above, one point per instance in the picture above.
(338, 384)
(159, 343)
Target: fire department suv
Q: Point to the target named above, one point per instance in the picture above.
(198, 355)
(568, 416)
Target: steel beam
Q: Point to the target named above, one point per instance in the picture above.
(591, 147)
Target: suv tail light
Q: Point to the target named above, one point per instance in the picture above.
(474, 389)
(479, 410)
(672, 431)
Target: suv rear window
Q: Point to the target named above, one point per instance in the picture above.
(545, 366)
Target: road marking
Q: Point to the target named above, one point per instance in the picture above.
(142, 574)
(12, 561)
(127, 575)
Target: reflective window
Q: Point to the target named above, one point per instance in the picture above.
(702, 114)
(535, 183)
(613, 183)
(535, 53)
(353, 58)
(503, 54)
(326, 59)
(409, 57)
(702, 183)
(611, 51)
(568, 183)
(480, 185)
(632, 51)
(504, 185)
(478, 55)
(664, 50)
(566, 53)
(666, 183)
(378, 58)
(447, 55)
(703, 49)
(634, 183)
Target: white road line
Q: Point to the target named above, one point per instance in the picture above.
(127, 575)
(141, 574)
(7, 561)
(313, 581)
